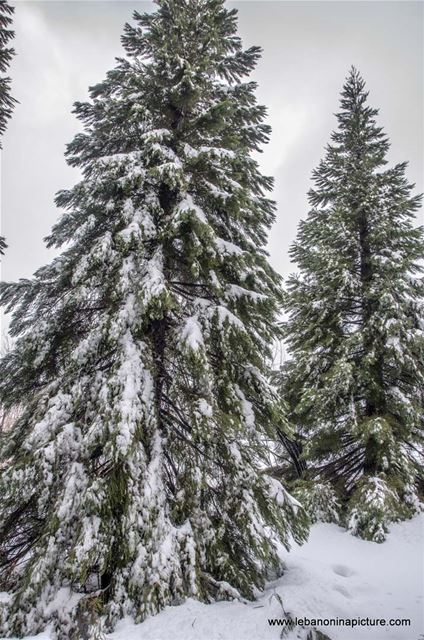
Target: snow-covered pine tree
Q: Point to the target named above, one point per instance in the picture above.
(133, 478)
(355, 327)
(6, 54)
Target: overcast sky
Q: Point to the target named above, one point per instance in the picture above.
(63, 47)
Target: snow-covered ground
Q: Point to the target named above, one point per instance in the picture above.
(333, 575)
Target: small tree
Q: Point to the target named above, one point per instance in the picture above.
(355, 324)
(135, 471)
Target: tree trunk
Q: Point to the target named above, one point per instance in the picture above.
(374, 386)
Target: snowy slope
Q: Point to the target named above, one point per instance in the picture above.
(332, 575)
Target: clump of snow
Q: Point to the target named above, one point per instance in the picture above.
(226, 247)
(205, 408)
(191, 334)
(187, 204)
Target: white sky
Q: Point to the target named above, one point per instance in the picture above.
(63, 47)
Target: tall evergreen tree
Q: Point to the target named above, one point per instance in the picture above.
(133, 478)
(6, 54)
(355, 327)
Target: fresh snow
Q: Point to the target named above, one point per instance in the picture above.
(224, 246)
(333, 575)
(187, 204)
(192, 333)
